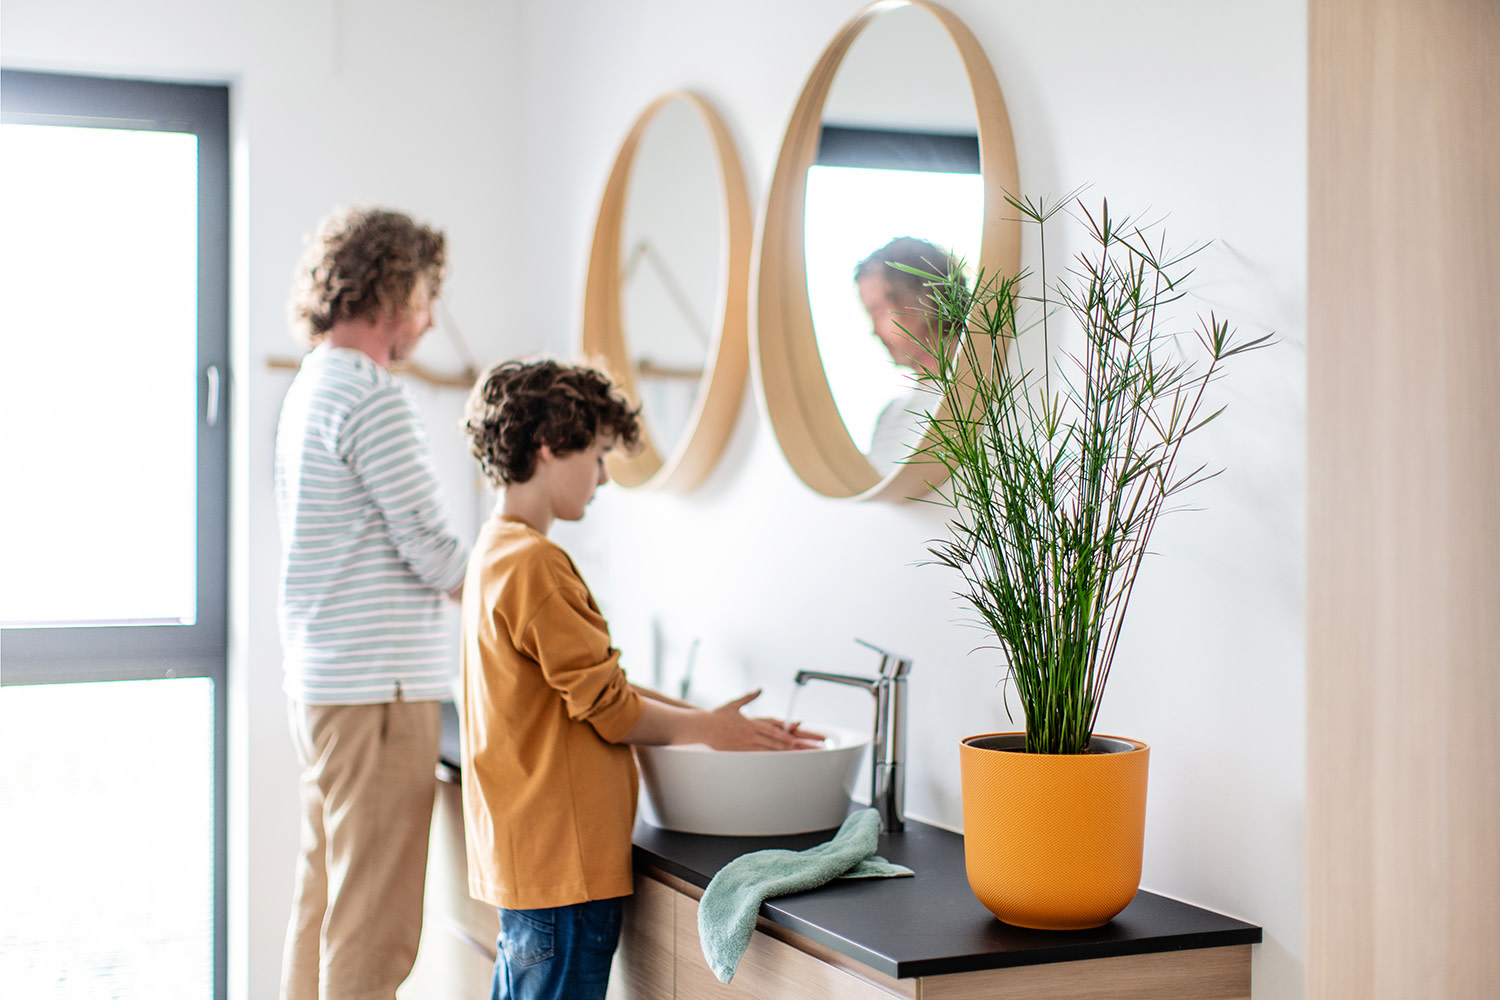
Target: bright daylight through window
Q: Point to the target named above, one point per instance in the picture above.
(851, 212)
(97, 903)
(98, 301)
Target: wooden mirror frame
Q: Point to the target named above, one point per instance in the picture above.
(789, 372)
(722, 385)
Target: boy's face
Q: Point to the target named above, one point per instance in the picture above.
(573, 478)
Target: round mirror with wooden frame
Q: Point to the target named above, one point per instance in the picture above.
(679, 450)
(789, 369)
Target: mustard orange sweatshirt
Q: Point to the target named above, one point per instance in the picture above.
(549, 793)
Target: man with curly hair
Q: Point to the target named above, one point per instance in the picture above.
(549, 782)
(905, 321)
(369, 557)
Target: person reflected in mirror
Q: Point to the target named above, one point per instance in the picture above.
(905, 321)
(548, 716)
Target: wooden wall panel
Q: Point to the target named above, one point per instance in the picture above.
(1404, 499)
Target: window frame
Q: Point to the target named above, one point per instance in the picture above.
(898, 149)
(71, 654)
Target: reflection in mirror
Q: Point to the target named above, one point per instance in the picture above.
(898, 157)
(905, 321)
(899, 91)
(671, 261)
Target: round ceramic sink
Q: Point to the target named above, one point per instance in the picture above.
(693, 789)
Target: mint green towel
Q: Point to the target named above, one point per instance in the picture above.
(726, 914)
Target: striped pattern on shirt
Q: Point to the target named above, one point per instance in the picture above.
(368, 552)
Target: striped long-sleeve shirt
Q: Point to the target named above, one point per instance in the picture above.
(368, 552)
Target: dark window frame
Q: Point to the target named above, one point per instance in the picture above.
(898, 149)
(149, 651)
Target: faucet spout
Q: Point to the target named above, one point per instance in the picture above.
(803, 676)
(888, 760)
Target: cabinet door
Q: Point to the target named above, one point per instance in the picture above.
(643, 967)
(769, 970)
(1195, 974)
(456, 957)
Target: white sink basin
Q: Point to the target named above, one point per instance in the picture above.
(693, 789)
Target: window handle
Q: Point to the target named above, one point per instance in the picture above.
(212, 414)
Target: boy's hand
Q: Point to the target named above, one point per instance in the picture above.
(795, 728)
(731, 730)
(665, 720)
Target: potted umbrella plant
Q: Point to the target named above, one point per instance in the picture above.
(1057, 475)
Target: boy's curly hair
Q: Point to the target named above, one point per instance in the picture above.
(362, 263)
(518, 406)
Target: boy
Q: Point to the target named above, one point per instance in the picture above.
(549, 782)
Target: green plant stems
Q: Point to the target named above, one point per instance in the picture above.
(1056, 484)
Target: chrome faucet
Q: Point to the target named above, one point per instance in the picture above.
(888, 763)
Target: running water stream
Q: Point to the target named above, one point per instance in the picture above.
(790, 718)
(791, 706)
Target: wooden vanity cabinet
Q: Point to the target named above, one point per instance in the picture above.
(456, 957)
(1189, 953)
(644, 966)
(661, 958)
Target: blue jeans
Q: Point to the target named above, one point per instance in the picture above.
(563, 953)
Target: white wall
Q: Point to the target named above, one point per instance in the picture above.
(1196, 113)
(499, 122)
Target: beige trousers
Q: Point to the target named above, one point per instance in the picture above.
(367, 793)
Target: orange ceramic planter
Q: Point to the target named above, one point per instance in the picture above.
(1053, 841)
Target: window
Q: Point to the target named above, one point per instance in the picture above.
(868, 187)
(113, 342)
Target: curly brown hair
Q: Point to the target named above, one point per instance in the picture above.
(518, 406)
(363, 263)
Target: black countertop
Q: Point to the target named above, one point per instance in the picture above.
(931, 924)
(926, 925)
